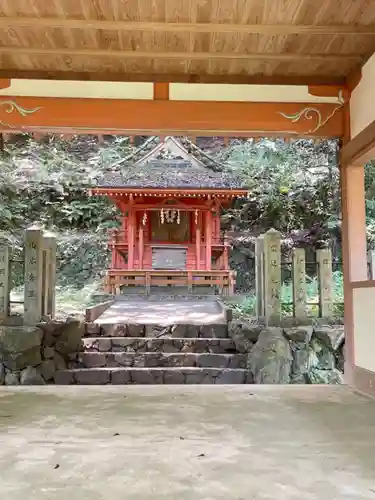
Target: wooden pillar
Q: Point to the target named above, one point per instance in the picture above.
(353, 192)
(217, 221)
(131, 239)
(208, 239)
(198, 241)
(112, 233)
(113, 258)
(226, 252)
(353, 250)
(140, 247)
(33, 275)
(123, 226)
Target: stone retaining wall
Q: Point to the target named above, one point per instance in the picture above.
(31, 355)
(296, 355)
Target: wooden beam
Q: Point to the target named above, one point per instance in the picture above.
(4, 83)
(325, 90)
(263, 29)
(172, 77)
(208, 239)
(149, 117)
(161, 91)
(360, 149)
(197, 56)
(353, 79)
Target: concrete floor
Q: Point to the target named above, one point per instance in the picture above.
(186, 443)
(165, 312)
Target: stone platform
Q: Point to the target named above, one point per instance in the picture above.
(166, 311)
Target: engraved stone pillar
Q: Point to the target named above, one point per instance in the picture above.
(299, 283)
(324, 260)
(272, 277)
(371, 258)
(259, 276)
(49, 281)
(4, 281)
(33, 275)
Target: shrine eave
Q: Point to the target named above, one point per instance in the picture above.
(166, 193)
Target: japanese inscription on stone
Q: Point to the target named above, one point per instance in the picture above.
(324, 259)
(4, 280)
(33, 275)
(272, 275)
(299, 283)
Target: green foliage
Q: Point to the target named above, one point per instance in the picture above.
(48, 182)
(294, 187)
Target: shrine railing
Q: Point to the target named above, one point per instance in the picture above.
(120, 238)
(223, 281)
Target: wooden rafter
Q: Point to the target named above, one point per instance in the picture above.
(265, 29)
(161, 91)
(173, 77)
(200, 56)
(294, 42)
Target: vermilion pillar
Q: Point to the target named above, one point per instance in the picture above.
(354, 193)
(140, 248)
(208, 239)
(354, 250)
(131, 239)
(198, 241)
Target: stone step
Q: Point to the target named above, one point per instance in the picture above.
(158, 360)
(175, 375)
(161, 344)
(215, 330)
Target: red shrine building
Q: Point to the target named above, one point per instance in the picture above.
(170, 194)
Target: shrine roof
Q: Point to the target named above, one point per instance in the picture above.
(171, 147)
(170, 163)
(312, 42)
(171, 174)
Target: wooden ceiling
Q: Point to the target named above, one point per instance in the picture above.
(223, 41)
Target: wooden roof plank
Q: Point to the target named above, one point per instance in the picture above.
(175, 27)
(214, 40)
(135, 54)
(313, 79)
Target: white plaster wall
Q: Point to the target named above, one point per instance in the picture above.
(364, 328)
(362, 101)
(88, 90)
(252, 93)
(177, 91)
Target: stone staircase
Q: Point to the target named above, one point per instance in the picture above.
(157, 354)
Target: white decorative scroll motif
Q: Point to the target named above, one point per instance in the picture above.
(311, 113)
(10, 107)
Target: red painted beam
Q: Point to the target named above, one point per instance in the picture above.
(165, 117)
